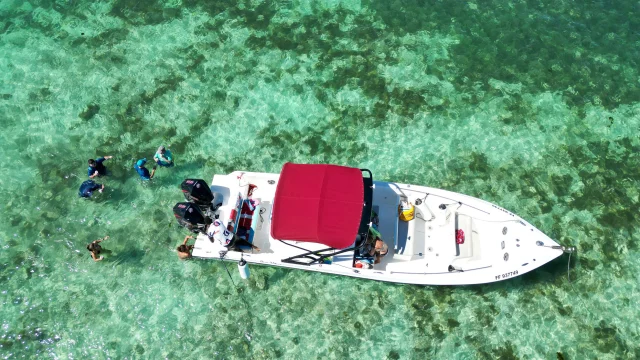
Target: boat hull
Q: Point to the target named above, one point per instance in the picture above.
(498, 245)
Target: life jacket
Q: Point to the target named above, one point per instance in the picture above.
(246, 213)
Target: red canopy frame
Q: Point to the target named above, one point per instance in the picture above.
(318, 203)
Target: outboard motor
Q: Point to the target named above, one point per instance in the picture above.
(198, 192)
(191, 217)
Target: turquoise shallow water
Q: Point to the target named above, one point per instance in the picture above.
(531, 105)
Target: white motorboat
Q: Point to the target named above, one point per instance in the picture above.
(317, 218)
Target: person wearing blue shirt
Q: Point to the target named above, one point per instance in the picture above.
(143, 171)
(163, 157)
(96, 167)
(88, 187)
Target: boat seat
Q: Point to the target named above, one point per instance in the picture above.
(469, 251)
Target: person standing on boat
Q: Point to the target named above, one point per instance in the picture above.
(96, 167)
(380, 250)
(163, 157)
(375, 245)
(95, 249)
(218, 232)
(184, 250)
(143, 171)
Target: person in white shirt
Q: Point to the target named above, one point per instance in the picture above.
(218, 232)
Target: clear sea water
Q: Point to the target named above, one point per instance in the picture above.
(533, 105)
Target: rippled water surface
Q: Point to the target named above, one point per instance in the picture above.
(531, 105)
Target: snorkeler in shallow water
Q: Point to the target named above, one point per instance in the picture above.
(95, 248)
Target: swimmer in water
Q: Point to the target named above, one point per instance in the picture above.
(95, 248)
(184, 250)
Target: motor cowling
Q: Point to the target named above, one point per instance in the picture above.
(198, 192)
(191, 217)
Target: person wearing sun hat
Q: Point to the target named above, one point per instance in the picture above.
(143, 171)
(163, 157)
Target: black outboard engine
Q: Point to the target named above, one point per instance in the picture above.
(198, 192)
(191, 217)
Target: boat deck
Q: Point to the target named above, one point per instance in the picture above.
(429, 239)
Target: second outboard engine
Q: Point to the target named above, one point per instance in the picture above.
(198, 192)
(191, 217)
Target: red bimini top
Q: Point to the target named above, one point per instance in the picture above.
(318, 203)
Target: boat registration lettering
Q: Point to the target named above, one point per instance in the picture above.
(506, 275)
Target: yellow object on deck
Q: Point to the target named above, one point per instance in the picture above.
(406, 211)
